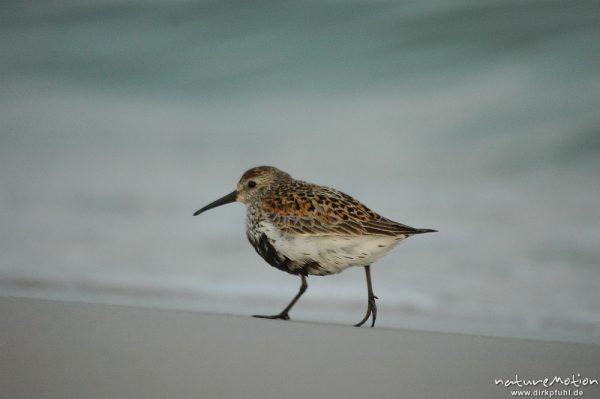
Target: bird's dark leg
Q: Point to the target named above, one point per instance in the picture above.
(371, 305)
(284, 313)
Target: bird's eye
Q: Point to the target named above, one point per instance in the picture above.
(251, 184)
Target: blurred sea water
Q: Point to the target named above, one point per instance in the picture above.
(480, 119)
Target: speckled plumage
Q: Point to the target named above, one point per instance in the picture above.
(303, 228)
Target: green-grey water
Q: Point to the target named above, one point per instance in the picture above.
(478, 119)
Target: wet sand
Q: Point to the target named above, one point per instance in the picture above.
(53, 349)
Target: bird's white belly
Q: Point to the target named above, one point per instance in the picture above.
(332, 253)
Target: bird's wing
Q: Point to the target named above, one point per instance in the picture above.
(308, 209)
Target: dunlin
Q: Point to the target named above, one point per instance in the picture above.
(303, 228)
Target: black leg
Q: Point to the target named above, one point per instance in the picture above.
(371, 305)
(284, 313)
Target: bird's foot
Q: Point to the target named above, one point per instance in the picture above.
(280, 316)
(371, 311)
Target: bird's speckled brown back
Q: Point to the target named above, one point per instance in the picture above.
(298, 207)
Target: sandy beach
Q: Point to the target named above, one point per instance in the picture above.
(54, 349)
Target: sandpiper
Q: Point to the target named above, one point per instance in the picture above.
(303, 228)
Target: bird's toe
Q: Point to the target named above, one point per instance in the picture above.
(281, 316)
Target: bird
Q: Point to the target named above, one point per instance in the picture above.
(306, 229)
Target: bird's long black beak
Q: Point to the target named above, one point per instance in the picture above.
(229, 198)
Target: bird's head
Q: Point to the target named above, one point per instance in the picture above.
(251, 185)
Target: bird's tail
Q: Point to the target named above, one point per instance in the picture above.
(423, 231)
